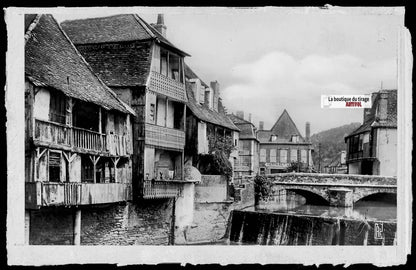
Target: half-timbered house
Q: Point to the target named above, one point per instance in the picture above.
(78, 142)
(146, 71)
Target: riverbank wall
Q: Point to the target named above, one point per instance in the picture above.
(262, 228)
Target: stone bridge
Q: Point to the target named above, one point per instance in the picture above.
(336, 189)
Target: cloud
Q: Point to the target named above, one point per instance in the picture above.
(278, 81)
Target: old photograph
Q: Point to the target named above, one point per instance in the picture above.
(213, 127)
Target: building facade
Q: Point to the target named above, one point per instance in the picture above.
(146, 71)
(372, 147)
(78, 141)
(206, 122)
(247, 163)
(283, 145)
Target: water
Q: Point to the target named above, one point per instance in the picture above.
(380, 209)
(286, 219)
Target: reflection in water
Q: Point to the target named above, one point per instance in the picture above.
(289, 202)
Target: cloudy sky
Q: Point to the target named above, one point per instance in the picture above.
(270, 59)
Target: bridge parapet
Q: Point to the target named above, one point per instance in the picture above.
(318, 178)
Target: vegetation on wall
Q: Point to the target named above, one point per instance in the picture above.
(262, 188)
(216, 162)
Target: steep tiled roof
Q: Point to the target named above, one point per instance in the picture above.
(190, 74)
(371, 119)
(51, 60)
(202, 112)
(117, 28)
(284, 128)
(120, 66)
(246, 128)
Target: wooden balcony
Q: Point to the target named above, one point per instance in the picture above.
(51, 134)
(167, 86)
(42, 194)
(164, 137)
(153, 189)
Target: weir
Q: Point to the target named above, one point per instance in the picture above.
(265, 228)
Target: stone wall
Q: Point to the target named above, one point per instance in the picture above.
(212, 188)
(261, 228)
(148, 222)
(333, 178)
(53, 226)
(211, 218)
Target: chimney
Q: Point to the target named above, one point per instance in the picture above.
(160, 25)
(261, 125)
(206, 99)
(216, 88)
(240, 114)
(249, 117)
(382, 107)
(308, 131)
(196, 87)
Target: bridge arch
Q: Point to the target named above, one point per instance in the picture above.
(377, 195)
(312, 197)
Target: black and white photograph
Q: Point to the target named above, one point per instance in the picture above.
(218, 129)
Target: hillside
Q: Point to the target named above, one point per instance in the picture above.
(332, 142)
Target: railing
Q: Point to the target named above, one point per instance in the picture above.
(52, 133)
(61, 135)
(90, 140)
(119, 145)
(41, 194)
(164, 137)
(167, 86)
(153, 189)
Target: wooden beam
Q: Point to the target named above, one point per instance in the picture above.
(94, 160)
(99, 120)
(166, 112)
(115, 162)
(77, 227)
(39, 155)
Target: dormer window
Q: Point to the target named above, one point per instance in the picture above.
(273, 138)
(295, 138)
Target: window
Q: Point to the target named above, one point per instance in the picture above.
(303, 155)
(273, 155)
(57, 107)
(293, 155)
(283, 156)
(171, 65)
(273, 138)
(163, 63)
(262, 155)
(360, 142)
(54, 166)
(262, 170)
(295, 138)
(152, 112)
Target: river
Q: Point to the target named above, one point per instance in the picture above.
(378, 208)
